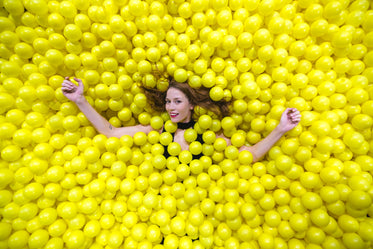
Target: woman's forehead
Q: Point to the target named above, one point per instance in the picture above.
(175, 93)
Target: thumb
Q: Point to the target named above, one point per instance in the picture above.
(80, 82)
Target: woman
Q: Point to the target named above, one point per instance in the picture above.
(179, 100)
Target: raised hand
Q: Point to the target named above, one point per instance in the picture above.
(75, 93)
(289, 119)
(72, 91)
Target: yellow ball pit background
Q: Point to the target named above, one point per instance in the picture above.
(62, 185)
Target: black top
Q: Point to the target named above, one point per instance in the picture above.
(184, 126)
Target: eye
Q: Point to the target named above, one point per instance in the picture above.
(167, 101)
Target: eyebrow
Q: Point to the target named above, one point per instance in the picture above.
(173, 98)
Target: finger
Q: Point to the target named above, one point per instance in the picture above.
(296, 120)
(294, 110)
(296, 115)
(67, 84)
(80, 82)
(64, 86)
(66, 90)
(289, 113)
(67, 79)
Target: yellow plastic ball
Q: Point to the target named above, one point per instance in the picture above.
(18, 239)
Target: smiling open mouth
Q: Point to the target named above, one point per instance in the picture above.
(173, 115)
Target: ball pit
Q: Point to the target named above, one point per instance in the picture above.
(62, 185)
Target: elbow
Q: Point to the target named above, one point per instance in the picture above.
(107, 135)
(110, 134)
(252, 151)
(255, 157)
(107, 131)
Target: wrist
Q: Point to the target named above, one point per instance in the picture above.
(80, 100)
(280, 129)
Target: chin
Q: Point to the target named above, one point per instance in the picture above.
(175, 120)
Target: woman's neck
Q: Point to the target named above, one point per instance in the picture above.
(186, 125)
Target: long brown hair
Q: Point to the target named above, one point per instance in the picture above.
(197, 97)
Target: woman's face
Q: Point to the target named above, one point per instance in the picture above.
(178, 106)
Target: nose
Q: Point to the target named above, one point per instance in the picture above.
(170, 106)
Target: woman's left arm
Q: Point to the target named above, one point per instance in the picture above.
(289, 119)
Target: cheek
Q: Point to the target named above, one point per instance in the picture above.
(186, 107)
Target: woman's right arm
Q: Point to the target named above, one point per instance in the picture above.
(75, 93)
